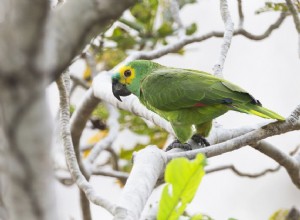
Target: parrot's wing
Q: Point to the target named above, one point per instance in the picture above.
(171, 89)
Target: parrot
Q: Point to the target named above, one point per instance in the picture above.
(188, 99)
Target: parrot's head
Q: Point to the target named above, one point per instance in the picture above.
(129, 77)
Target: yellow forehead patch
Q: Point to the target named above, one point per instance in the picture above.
(124, 79)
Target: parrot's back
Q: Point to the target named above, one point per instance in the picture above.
(170, 91)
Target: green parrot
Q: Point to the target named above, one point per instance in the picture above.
(188, 99)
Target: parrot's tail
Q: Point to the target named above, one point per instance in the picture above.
(259, 111)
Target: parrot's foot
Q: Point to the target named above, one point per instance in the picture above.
(200, 140)
(177, 144)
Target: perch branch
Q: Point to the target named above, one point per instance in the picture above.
(251, 137)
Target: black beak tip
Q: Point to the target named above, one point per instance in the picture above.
(119, 98)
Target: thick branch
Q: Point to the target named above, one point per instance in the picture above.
(21, 33)
(73, 25)
(148, 165)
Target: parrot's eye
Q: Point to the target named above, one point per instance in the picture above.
(127, 73)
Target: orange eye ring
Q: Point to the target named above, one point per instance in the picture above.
(127, 73)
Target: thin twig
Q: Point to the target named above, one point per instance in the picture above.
(111, 173)
(149, 55)
(239, 173)
(113, 125)
(294, 12)
(241, 14)
(73, 166)
(267, 32)
(78, 81)
(176, 16)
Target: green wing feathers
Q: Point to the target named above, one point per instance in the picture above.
(258, 110)
(170, 89)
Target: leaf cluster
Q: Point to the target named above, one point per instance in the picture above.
(147, 24)
(277, 7)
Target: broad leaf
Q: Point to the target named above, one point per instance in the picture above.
(183, 178)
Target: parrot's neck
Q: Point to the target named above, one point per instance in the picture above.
(141, 73)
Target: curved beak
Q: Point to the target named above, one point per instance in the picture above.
(119, 89)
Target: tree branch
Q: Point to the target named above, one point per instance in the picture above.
(72, 25)
(73, 166)
(176, 16)
(229, 27)
(241, 14)
(242, 174)
(296, 19)
(76, 80)
(21, 34)
(113, 125)
(267, 32)
(102, 90)
(112, 173)
(294, 117)
(238, 142)
(291, 165)
(148, 165)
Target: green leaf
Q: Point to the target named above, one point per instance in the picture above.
(183, 178)
(280, 214)
(101, 112)
(191, 29)
(72, 109)
(272, 6)
(123, 39)
(145, 11)
(126, 154)
(111, 57)
(165, 29)
(185, 2)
